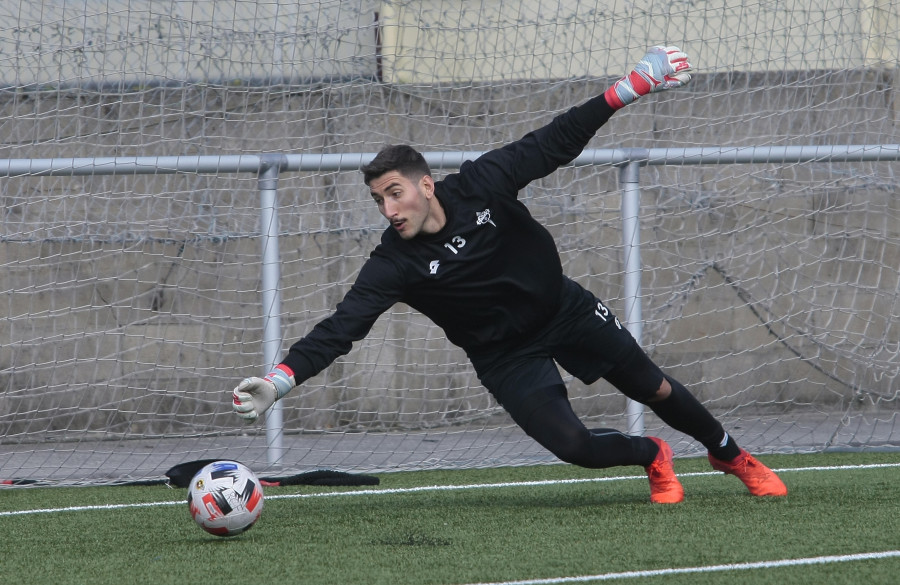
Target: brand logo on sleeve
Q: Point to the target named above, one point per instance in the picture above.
(433, 267)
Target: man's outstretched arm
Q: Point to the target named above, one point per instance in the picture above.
(376, 289)
(540, 152)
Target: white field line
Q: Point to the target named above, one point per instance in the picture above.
(706, 569)
(434, 488)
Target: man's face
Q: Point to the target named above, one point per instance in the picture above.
(409, 205)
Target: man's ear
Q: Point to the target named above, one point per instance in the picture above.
(427, 183)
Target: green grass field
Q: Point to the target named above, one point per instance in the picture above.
(524, 525)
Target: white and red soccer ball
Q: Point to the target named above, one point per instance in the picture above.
(225, 498)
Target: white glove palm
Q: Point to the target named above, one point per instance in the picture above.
(660, 69)
(254, 396)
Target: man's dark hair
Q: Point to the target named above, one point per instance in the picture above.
(404, 159)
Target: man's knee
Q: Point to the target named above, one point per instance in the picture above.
(664, 391)
(638, 378)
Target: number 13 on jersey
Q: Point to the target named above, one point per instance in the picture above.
(602, 312)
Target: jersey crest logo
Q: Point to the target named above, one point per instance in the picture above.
(483, 217)
(433, 267)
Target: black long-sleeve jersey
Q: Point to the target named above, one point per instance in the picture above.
(489, 277)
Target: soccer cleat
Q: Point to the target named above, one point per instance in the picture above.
(759, 479)
(664, 486)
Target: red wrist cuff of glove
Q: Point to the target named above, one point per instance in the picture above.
(612, 98)
(283, 368)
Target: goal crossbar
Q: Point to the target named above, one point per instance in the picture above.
(251, 163)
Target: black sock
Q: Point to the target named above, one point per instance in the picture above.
(683, 412)
(725, 450)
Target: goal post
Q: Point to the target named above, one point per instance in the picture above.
(181, 200)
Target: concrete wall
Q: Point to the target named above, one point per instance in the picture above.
(110, 42)
(494, 40)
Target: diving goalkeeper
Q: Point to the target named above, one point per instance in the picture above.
(465, 252)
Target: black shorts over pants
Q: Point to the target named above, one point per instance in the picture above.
(586, 339)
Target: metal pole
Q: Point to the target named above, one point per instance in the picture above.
(248, 163)
(271, 293)
(629, 180)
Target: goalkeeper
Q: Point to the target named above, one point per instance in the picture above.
(465, 252)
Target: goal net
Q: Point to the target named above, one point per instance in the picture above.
(133, 302)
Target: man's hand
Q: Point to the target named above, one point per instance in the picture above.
(661, 68)
(254, 396)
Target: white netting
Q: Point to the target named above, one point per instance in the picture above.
(133, 302)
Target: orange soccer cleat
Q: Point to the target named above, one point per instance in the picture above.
(664, 485)
(759, 479)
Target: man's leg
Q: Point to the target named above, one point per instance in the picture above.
(547, 416)
(678, 408)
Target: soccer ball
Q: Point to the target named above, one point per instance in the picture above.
(225, 498)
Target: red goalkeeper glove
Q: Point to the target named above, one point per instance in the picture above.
(661, 68)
